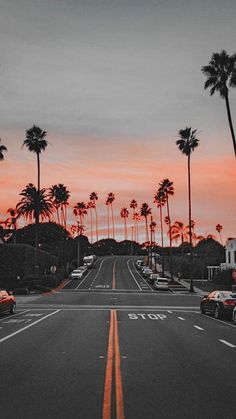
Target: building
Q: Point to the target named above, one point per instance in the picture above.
(230, 254)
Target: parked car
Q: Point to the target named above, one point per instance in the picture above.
(219, 304)
(139, 263)
(234, 315)
(161, 284)
(146, 272)
(7, 302)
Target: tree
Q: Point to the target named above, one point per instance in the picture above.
(145, 211)
(179, 232)
(90, 207)
(34, 205)
(221, 74)
(80, 210)
(187, 143)
(133, 205)
(136, 218)
(124, 213)
(219, 228)
(166, 189)
(94, 197)
(59, 196)
(160, 201)
(110, 200)
(2, 150)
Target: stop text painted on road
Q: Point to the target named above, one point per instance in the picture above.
(145, 316)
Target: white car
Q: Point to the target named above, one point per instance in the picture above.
(77, 273)
(147, 272)
(161, 284)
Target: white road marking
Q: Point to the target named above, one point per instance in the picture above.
(181, 318)
(27, 327)
(133, 275)
(139, 275)
(169, 311)
(227, 343)
(16, 314)
(96, 273)
(198, 327)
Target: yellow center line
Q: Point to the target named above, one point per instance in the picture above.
(113, 353)
(119, 390)
(114, 275)
(108, 378)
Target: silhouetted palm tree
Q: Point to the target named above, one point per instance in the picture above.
(107, 203)
(160, 201)
(166, 189)
(219, 228)
(59, 196)
(34, 204)
(187, 143)
(80, 210)
(221, 74)
(133, 205)
(145, 211)
(110, 200)
(2, 150)
(94, 197)
(136, 218)
(179, 231)
(124, 213)
(90, 207)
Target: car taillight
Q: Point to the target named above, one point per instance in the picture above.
(230, 302)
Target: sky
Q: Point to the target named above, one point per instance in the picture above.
(112, 82)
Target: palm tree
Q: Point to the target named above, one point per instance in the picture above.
(136, 218)
(34, 205)
(133, 205)
(90, 207)
(2, 150)
(145, 211)
(59, 196)
(94, 197)
(221, 74)
(80, 210)
(35, 142)
(179, 231)
(166, 189)
(107, 203)
(124, 213)
(219, 228)
(110, 200)
(187, 143)
(160, 200)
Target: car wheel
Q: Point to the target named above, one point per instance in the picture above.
(234, 316)
(202, 309)
(13, 308)
(217, 312)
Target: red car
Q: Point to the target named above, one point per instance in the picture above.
(7, 302)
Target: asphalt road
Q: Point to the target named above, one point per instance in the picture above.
(109, 347)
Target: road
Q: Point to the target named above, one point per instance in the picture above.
(110, 347)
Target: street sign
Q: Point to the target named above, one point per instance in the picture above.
(234, 274)
(53, 269)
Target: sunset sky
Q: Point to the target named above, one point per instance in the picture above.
(112, 82)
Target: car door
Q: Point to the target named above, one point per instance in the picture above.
(209, 302)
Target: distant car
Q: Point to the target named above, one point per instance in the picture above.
(78, 273)
(146, 272)
(161, 284)
(7, 302)
(139, 263)
(219, 304)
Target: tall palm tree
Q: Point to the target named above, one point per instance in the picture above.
(2, 150)
(219, 228)
(107, 203)
(34, 204)
(94, 197)
(60, 196)
(145, 211)
(166, 189)
(187, 143)
(80, 210)
(160, 201)
(35, 141)
(110, 199)
(221, 74)
(136, 218)
(133, 205)
(90, 207)
(124, 213)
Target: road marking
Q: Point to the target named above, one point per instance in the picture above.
(27, 327)
(96, 274)
(113, 357)
(108, 378)
(133, 275)
(198, 327)
(227, 343)
(119, 389)
(142, 278)
(13, 315)
(114, 275)
(144, 316)
(169, 311)
(181, 318)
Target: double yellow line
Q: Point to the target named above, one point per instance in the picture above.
(113, 364)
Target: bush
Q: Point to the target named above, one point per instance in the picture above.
(62, 273)
(50, 281)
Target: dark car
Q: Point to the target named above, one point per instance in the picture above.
(219, 304)
(7, 302)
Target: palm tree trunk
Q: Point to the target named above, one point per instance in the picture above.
(147, 236)
(113, 227)
(190, 225)
(108, 222)
(137, 231)
(96, 215)
(162, 243)
(65, 216)
(91, 225)
(171, 264)
(230, 122)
